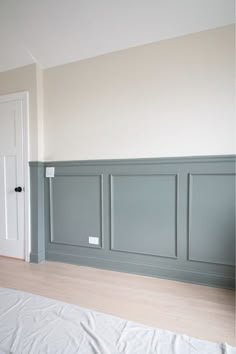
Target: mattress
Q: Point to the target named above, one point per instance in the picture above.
(34, 324)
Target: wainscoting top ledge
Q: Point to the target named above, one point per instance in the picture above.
(36, 163)
(137, 161)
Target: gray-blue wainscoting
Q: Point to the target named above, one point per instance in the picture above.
(164, 217)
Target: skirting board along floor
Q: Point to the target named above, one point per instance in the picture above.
(198, 311)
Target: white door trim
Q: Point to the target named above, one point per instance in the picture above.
(24, 97)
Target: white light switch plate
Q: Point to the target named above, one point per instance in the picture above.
(93, 240)
(50, 172)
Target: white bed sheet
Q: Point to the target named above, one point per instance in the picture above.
(34, 324)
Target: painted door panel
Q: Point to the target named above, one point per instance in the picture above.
(11, 176)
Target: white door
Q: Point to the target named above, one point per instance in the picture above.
(12, 208)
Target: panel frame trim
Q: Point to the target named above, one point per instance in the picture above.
(51, 232)
(189, 215)
(111, 180)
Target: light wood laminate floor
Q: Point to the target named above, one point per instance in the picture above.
(199, 311)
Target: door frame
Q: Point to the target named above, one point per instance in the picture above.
(24, 98)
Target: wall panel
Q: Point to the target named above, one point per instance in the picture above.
(76, 209)
(144, 214)
(167, 217)
(212, 218)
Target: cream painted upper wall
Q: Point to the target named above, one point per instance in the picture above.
(40, 111)
(171, 98)
(27, 78)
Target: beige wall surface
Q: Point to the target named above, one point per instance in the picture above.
(171, 98)
(26, 79)
(40, 115)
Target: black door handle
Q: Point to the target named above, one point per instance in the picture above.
(18, 189)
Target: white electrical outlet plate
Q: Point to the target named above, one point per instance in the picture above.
(50, 172)
(93, 240)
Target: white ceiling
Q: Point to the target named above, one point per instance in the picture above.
(54, 32)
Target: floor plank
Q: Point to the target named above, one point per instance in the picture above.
(199, 311)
